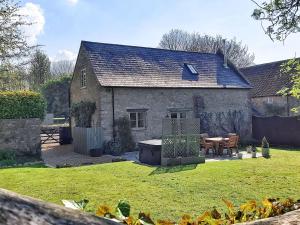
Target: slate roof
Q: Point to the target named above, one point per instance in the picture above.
(132, 66)
(266, 79)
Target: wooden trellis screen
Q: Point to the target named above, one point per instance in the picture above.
(181, 137)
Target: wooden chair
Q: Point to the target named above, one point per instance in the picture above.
(206, 145)
(231, 144)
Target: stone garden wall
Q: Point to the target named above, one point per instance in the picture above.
(20, 135)
(16, 209)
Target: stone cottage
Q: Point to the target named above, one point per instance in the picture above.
(267, 79)
(149, 84)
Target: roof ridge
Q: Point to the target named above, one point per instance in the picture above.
(135, 46)
(274, 62)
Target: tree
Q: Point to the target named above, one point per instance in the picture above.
(282, 17)
(39, 69)
(292, 68)
(56, 94)
(61, 68)
(13, 45)
(13, 77)
(181, 40)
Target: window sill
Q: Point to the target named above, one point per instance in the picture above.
(138, 129)
(82, 87)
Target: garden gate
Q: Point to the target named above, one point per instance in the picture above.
(49, 134)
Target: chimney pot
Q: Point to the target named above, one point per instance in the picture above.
(225, 53)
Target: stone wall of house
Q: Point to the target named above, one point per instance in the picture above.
(274, 105)
(20, 135)
(91, 92)
(158, 103)
(214, 105)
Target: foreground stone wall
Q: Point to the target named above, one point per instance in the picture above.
(291, 218)
(16, 209)
(21, 135)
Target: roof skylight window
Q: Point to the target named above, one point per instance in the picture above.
(191, 69)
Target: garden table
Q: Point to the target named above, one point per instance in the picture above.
(217, 141)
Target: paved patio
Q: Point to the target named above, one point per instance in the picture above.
(55, 155)
(134, 156)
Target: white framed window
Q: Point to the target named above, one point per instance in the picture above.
(83, 78)
(177, 115)
(269, 100)
(137, 119)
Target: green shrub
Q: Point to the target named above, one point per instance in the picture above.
(124, 134)
(249, 211)
(56, 94)
(21, 105)
(83, 112)
(7, 157)
(264, 143)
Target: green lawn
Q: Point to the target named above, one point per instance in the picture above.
(166, 193)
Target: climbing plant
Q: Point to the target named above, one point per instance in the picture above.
(124, 134)
(83, 112)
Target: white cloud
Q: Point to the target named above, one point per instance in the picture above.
(72, 2)
(64, 54)
(33, 14)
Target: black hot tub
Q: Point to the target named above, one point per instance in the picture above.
(150, 152)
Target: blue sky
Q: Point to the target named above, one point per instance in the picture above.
(60, 25)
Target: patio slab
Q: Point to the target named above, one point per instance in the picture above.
(134, 156)
(55, 155)
(228, 158)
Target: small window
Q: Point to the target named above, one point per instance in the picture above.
(270, 100)
(137, 119)
(192, 69)
(83, 78)
(178, 115)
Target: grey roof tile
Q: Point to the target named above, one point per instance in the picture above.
(266, 79)
(131, 66)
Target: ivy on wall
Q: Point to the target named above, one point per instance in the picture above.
(221, 123)
(83, 112)
(124, 134)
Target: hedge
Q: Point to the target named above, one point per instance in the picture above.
(21, 105)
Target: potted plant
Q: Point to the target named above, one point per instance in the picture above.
(249, 149)
(240, 155)
(96, 152)
(265, 148)
(254, 150)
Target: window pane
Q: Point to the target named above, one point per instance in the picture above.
(174, 115)
(140, 115)
(133, 123)
(132, 116)
(141, 119)
(141, 123)
(183, 115)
